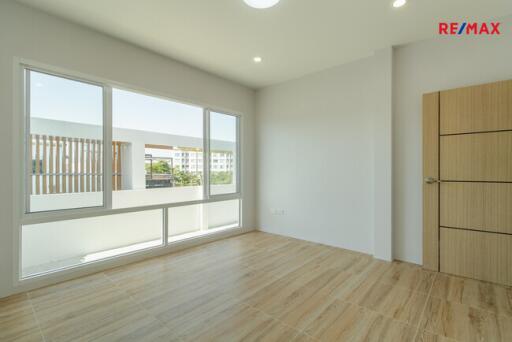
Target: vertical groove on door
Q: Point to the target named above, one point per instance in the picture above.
(431, 191)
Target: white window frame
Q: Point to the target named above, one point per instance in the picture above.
(22, 205)
(206, 157)
(107, 138)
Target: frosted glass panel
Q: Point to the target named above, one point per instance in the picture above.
(51, 246)
(194, 220)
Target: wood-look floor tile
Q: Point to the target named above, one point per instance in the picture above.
(349, 322)
(262, 287)
(17, 321)
(368, 266)
(287, 260)
(246, 286)
(411, 277)
(299, 313)
(122, 320)
(425, 336)
(394, 302)
(483, 295)
(69, 287)
(247, 324)
(314, 275)
(204, 324)
(150, 268)
(73, 296)
(464, 323)
(273, 298)
(301, 337)
(136, 327)
(187, 318)
(89, 311)
(358, 284)
(145, 287)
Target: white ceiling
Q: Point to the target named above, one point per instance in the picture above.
(295, 38)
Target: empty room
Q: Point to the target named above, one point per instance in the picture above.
(256, 170)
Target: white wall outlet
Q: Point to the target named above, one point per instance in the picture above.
(274, 211)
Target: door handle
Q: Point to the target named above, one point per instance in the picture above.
(431, 180)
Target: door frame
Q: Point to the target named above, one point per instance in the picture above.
(431, 176)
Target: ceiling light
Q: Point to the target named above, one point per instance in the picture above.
(399, 3)
(257, 59)
(261, 3)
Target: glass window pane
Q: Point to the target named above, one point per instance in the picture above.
(80, 241)
(66, 143)
(223, 153)
(157, 152)
(199, 219)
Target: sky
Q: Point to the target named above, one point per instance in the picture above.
(67, 100)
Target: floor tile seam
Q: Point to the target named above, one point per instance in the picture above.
(36, 317)
(429, 296)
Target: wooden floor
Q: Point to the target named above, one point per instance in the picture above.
(261, 287)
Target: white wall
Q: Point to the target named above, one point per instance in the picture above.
(331, 114)
(317, 139)
(33, 35)
(421, 68)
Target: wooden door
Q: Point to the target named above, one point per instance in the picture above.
(467, 193)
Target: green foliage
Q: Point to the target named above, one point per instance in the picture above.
(160, 167)
(182, 178)
(221, 177)
(179, 177)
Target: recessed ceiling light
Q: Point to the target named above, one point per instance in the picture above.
(399, 3)
(261, 3)
(257, 59)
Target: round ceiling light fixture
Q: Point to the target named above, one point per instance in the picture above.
(261, 3)
(257, 59)
(399, 3)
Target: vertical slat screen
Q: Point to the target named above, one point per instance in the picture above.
(66, 165)
(82, 164)
(57, 165)
(44, 165)
(93, 166)
(38, 165)
(50, 165)
(87, 165)
(63, 167)
(31, 172)
(118, 166)
(99, 179)
(113, 166)
(70, 165)
(76, 175)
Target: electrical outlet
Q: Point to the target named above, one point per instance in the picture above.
(274, 211)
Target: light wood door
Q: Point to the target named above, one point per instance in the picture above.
(467, 196)
(477, 157)
(478, 255)
(481, 108)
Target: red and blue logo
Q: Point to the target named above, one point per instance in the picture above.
(469, 29)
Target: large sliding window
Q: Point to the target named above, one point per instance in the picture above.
(109, 171)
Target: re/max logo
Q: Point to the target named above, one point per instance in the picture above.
(492, 28)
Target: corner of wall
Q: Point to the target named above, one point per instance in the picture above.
(383, 154)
